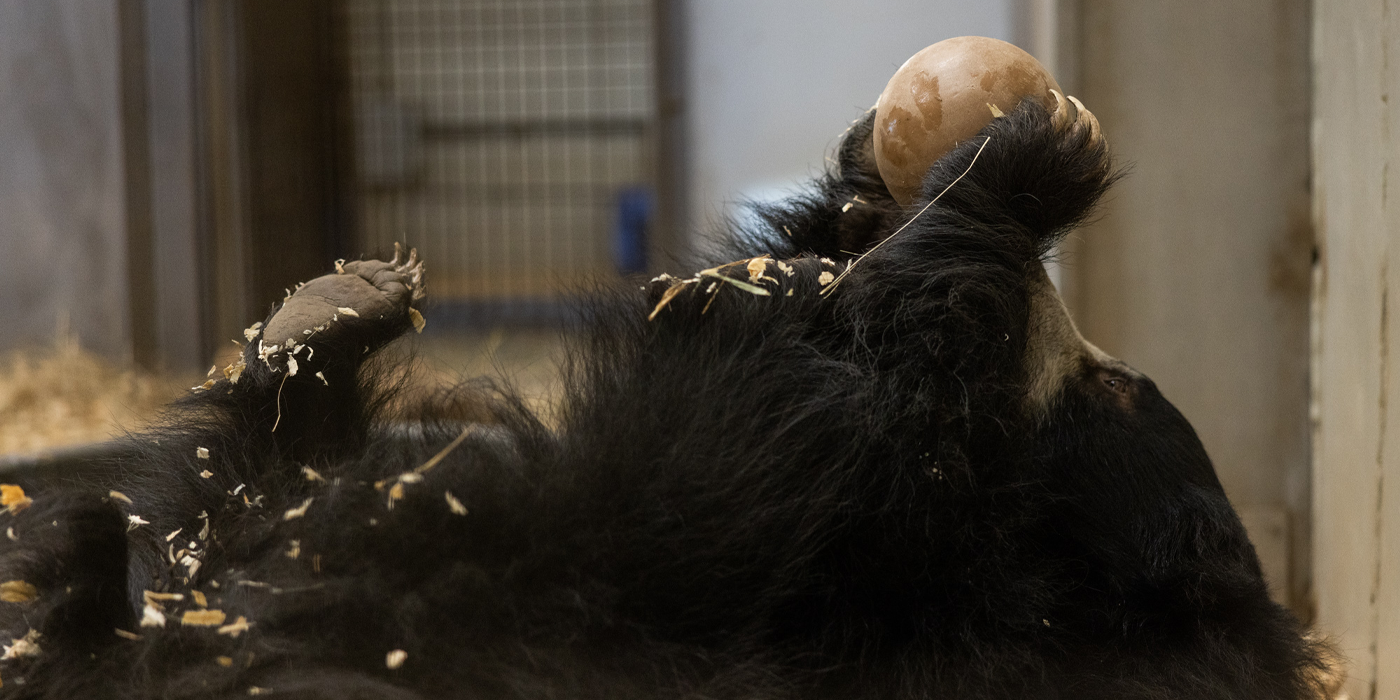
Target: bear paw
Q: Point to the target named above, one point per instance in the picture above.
(374, 299)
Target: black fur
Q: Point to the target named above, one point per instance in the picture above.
(840, 495)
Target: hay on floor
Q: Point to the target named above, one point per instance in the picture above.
(63, 396)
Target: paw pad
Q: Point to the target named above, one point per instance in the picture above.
(368, 293)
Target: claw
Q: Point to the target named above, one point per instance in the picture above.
(397, 250)
(413, 267)
(1079, 106)
(1064, 114)
(1087, 118)
(1095, 133)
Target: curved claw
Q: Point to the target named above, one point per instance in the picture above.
(413, 267)
(1065, 112)
(410, 263)
(1095, 133)
(1087, 120)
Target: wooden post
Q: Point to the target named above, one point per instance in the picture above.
(1356, 436)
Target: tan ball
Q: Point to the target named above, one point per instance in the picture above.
(944, 95)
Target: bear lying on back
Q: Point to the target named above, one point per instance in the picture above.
(804, 474)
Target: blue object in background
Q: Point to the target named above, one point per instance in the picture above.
(632, 227)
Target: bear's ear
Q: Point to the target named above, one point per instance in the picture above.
(1055, 351)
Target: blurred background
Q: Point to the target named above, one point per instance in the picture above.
(168, 167)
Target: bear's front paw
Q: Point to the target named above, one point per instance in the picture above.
(372, 300)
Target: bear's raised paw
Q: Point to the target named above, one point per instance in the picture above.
(373, 300)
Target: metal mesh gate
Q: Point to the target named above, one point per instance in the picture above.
(498, 136)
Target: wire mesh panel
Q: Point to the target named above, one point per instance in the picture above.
(497, 136)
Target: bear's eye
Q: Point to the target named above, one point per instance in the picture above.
(1117, 384)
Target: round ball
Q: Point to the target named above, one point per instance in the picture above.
(944, 95)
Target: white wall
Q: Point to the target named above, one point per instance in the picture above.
(62, 227)
(771, 84)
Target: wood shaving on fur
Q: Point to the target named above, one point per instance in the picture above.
(395, 659)
(151, 616)
(18, 592)
(203, 618)
(28, 645)
(12, 497)
(453, 504)
(299, 511)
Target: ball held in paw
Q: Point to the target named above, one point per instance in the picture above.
(944, 95)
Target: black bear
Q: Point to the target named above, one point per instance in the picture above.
(871, 459)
